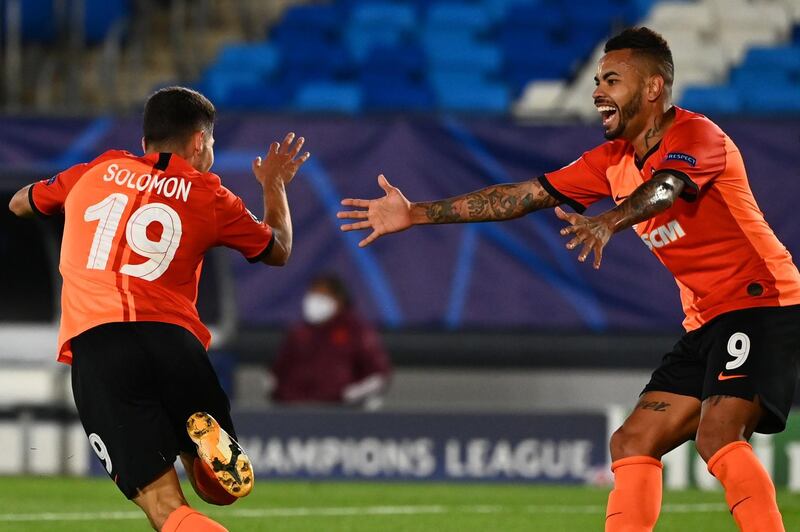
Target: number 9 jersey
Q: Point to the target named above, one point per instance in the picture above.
(135, 233)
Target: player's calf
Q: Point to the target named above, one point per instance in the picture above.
(222, 470)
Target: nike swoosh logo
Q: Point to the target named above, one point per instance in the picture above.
(722, 377)
(620, 198)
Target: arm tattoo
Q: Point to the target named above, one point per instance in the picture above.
(656, 406)
(651, 198)
(498, 202)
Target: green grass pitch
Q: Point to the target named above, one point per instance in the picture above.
(66, 504)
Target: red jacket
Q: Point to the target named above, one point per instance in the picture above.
(317, 362)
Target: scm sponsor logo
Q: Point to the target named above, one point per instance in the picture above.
(663, 235)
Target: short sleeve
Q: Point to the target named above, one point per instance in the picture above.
(694, 151)
(47, 196)
(582, 182)
(237, 228)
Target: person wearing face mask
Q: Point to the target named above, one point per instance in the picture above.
(333, 356)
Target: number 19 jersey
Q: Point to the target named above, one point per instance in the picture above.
(135, 233)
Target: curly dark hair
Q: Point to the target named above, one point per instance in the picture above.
(649, 44)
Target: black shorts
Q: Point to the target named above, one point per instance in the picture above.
(135, 385)
(744, 353)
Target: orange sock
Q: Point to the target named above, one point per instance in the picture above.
(749, 491)
(186, 519)
(635, 501)
(207, 483)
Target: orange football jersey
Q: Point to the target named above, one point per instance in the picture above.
(714, 240)
(135, 233)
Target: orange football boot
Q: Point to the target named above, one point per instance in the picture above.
(221, 453)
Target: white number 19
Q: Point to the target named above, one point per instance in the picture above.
(158, 252)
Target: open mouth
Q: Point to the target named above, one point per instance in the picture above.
(608, 112)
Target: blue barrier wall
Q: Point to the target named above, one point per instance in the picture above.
(510, 275)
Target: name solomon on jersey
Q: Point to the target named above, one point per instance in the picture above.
(168, 187)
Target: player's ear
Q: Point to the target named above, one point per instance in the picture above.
(198, 141)
(655, 87)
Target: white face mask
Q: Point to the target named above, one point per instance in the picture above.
(318, 308)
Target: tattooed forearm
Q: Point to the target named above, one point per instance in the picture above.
(442, 212)
(651, 198)
(498, 202)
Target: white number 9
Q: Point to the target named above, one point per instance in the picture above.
(739, 349)
(100, 450)
(160, 253)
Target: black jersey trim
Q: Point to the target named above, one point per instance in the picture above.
(34, 208)
(579, 208)
(163, 161)
(690, 191)
(640, 162)
(261, 256)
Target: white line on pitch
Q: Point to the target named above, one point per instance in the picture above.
(351, 511)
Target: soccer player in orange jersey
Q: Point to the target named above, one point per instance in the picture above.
(135, 233)
(680, 182)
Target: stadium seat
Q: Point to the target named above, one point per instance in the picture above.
(387, 95)
(483, 58)
(490, 98)
(718, 99)
(773, 100)
(361, 40)
(388, 16)
(329, 96)
(258, 96)
(261, 57)
(772, 58)
(473, 18)
(325, 19)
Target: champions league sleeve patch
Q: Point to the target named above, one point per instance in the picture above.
(677, 156)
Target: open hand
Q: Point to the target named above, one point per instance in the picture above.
(282, 162)
(389, 214)
(593, 233)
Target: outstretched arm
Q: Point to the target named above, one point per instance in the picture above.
(393, 212)
(649, 199)
(274, 173)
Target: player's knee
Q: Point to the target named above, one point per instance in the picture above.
(626, 442)
(711, 439)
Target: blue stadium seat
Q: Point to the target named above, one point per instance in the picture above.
(473, 18)
(386, 95)
(484, 58)
(442, 81)
(712, 100)
(313, 18)
(217, 84)
(389, 16)
(329, 96)
(782, 58)
(532, 17)
(261, 57)
(406, 59)
(498, 9)
(773, 100)
(492, 98)
(751, 78)
(256, 96)
(361, 40)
